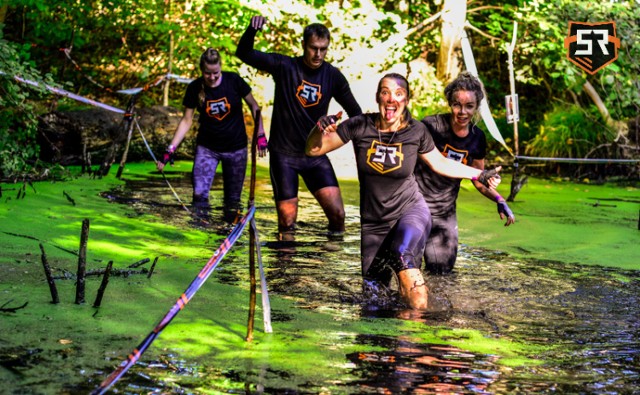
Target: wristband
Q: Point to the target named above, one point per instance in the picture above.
(499, 198)
(171, 149)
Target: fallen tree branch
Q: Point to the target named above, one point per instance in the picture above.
(139, 263)
(12, 309)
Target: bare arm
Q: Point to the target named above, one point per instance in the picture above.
(183, 127)
(322, 141)
(262, 138)
(491, 194)
(503, 209)
(254, 107)
(453, 169)
(447, 167)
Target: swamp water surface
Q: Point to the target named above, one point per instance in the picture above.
(586, 319)
(583, 322)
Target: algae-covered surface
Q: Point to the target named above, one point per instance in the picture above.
(572, 223)
(549, 304)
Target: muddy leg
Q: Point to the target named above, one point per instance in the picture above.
(413, 289)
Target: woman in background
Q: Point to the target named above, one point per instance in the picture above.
(222, 136)
(458, 138)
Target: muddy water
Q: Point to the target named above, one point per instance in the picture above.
(588, 315)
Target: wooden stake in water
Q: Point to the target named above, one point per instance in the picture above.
(50, 280)
(82, 262)
(252, 245)
(153, 266)
(103, 285)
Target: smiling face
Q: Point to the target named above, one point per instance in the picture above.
(392, 101)
(463, 107)
(315, 49)
(212, 74)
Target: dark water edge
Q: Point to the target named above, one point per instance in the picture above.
(587, 315)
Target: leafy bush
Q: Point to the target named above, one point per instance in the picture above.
(569, 132)
(18, 121)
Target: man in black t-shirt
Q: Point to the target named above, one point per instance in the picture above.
(304, 87)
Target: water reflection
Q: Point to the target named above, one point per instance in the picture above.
(589, 316)
(418, 368)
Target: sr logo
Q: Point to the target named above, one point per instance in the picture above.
(218, 109)
(309, 94)
(385, 158)
(454, 154)
(592, 46)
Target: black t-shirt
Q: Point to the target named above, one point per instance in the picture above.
(221, 119)
(441, 192)
(385, 168)
(302, 94)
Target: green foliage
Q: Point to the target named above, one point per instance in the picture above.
(427, 94)
(18, 122)
(569, 132)
(124, 43)
(542, 58)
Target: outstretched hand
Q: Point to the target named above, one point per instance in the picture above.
(490, 178)
(505, 212)
(258, 21)
(328, 123)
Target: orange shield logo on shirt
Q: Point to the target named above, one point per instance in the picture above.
(218, 109)
(309, 94)
(454, 154)
(592, 46)
(385, 158)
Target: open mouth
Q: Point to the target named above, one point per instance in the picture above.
(390, 112)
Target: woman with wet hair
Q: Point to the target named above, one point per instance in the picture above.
(458, 138)
(394, 217)
(222, 136)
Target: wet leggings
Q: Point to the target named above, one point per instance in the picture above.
(441, 250)
(389, 248)
(234, 168)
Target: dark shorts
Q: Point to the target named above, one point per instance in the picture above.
(441, 250)
(393, 247)
(316, 172)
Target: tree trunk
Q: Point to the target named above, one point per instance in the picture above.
(454, 14)
(621, 128)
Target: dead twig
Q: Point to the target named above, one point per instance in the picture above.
(69, 198)
(12, 309)
(139, 263)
